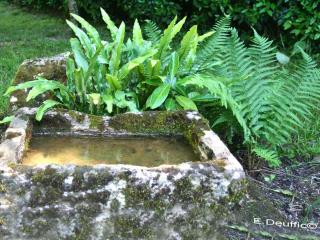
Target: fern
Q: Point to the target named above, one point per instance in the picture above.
(152, 31)
(270, 156)
(259, 85)
(208, 50)
(294, 101)
(217, 88)
(238, 86)
(270, 101)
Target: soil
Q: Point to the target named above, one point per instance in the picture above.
(290, 195)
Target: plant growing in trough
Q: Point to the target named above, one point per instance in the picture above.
(253, 92)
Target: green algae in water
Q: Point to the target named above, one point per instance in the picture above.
(81, 150)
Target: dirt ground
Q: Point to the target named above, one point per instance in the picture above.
(289, 195)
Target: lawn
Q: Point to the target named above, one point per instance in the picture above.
(25, 35)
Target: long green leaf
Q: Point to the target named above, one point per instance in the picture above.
(79, 56)
(25, 85)
(79, 82)
(83, 38)
(108, 100)
(6, 120)
(174, 65)
(137, 34)
(113, 81)
(110, 24)
(92, 32)
(44, 87)
(116, 52)
(187, 42)
(95, 98)
(125, 70)
(204, 36)
(170, 104)
(168, 35)
(70, 69)
(46, 105)
(158, 96)
(186, 103)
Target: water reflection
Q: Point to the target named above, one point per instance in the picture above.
(94, 150)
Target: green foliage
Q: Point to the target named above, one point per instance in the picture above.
(273, 99)
(42, 4)
(112, 77)
(6, 120)
(292, 20)
(304, 144)
(303, 19)
(268, 155)
(254, 92)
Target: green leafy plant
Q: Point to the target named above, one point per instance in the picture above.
(254, 93)
(110, 77)
(274, 99)
(6, 120)
(291, 20)
(96, 75)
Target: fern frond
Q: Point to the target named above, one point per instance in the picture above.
(236, 62)
(270, 156)
(217, 88)
(210, 47)
(152, 31)
(294, 101)
(259, 85)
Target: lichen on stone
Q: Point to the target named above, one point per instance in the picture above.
(98, 202)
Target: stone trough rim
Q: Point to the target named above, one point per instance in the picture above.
(224, 159)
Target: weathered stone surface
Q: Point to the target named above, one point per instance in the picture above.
(189, 124)
(15, 141)
(53, 68)
(184, 201)
(112, 202)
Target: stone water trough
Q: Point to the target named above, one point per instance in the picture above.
(187, 200)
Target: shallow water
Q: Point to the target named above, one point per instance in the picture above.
(140, 151)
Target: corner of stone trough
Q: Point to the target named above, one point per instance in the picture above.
(116, 201)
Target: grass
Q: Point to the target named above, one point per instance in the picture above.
(25, 35)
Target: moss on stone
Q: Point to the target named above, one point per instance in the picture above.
(237, 190)
(27, 229)
(48, 177)
(129, 228)
(12, 165)
(124, 175)
(98, 180)
(52, 194)
(84, 232)
(137, 195)
(87, 212)
(3, 188)
(2, 221)
(79, 117)
(35, 197)
(141, 196)
(96, 122)
(183, 190)
(114, 205)
(149, 122)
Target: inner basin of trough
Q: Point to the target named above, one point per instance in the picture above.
(87, 150)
